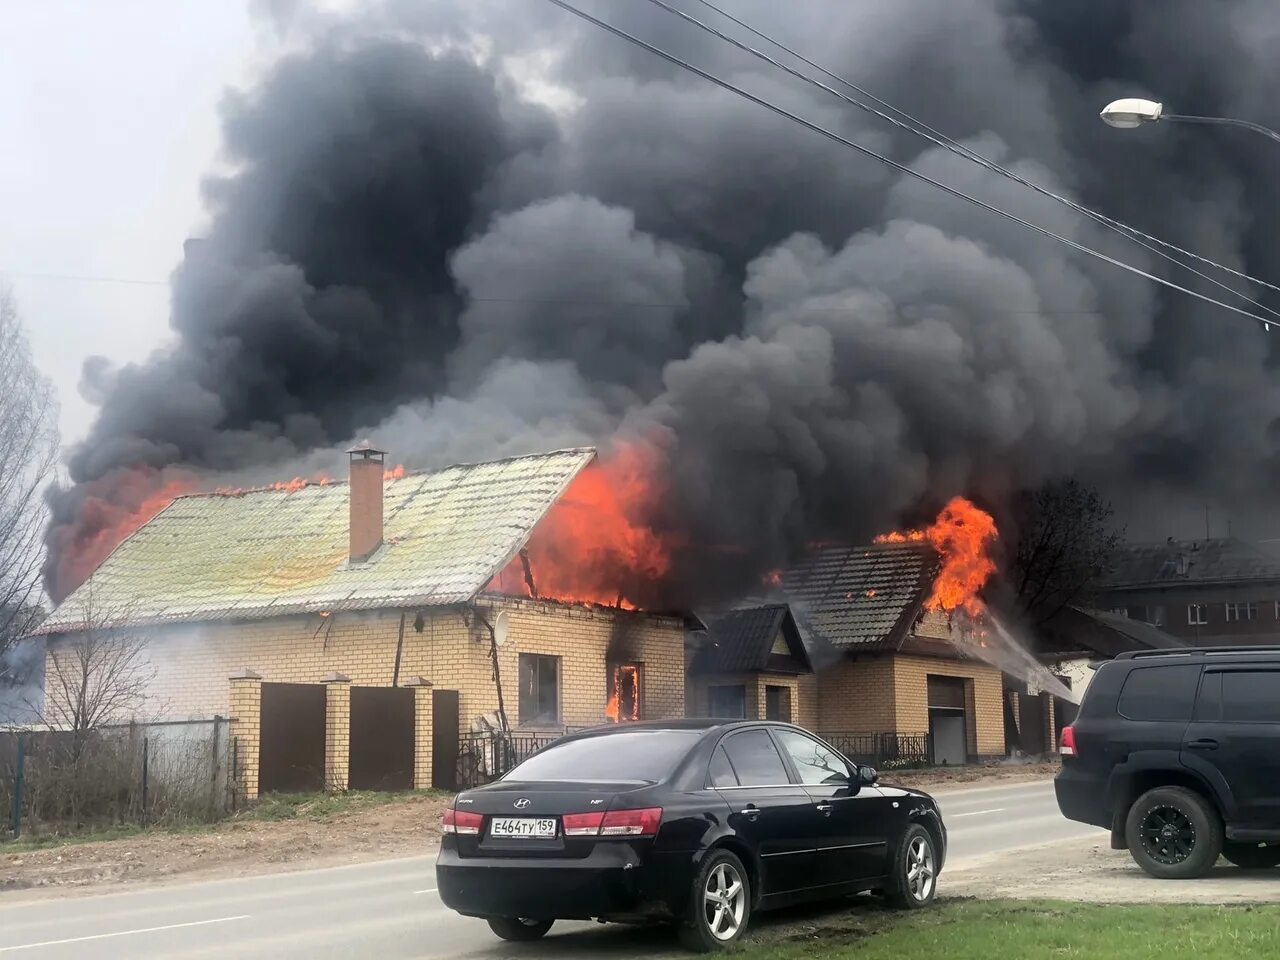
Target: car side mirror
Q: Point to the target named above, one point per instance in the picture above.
(867, 776)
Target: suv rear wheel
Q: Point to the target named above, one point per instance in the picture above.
(1174, 833)
(519, 929)
(1251, 856)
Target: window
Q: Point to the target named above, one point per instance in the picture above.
(644, 756)
(721, 772)
(1277, 605)
(626, 685)
(539, 689)
(727, 703)
(777, 703)
(1241, 611)
(1197, 614)
(1155, 616)
(1252, 697)
(755, 759)
(1160, 693)
(815, 762)
(1120, 611)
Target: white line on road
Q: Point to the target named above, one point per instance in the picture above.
(974, 813)
(121, 933)
(428, 890)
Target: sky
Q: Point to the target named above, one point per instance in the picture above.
(108, 122)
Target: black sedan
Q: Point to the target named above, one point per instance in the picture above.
(700, 823)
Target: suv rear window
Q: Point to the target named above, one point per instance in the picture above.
(1251, 697)
(637, 755)
(1160, 693)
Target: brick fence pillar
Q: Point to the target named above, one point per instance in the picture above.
(337, 732)
(1050, 742)
(246, 727)
(422, 742)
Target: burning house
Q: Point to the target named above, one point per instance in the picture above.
(356, 631)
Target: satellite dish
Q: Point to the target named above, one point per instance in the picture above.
(501, 624)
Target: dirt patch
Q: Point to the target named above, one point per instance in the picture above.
(1092, 872)
(943, 777)
(401, 828)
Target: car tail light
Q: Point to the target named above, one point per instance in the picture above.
(582, 824)
(462, 822)
(631, 823)
(1068, 746)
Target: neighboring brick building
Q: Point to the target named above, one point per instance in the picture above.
(1207, 592)
(346, 649)
(886, 667)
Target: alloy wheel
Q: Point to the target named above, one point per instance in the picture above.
(724, 901)
(920, 871)
(1168, 835)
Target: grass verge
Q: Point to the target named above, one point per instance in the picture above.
(981, 930)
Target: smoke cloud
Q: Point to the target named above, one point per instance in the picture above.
(473, 229)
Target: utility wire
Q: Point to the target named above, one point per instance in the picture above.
(81, 278)
(894, 164)
(921, 129)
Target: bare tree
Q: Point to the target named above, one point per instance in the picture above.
(28, 452)
(1066, 541)
(100, 674)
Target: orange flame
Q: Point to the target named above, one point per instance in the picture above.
(596, 544)
(613, 709)
(397, 472)
(962, 535)
(772, 579)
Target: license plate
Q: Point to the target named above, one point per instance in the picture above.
(522, 828)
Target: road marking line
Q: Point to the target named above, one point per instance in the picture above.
(431, 890)
(975, 813)
(121, 933)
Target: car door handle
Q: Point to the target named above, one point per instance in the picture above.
(1206, 743)
(825, 808)
(751, 811)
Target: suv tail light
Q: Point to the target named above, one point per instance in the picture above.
(615, 823)
(1068, 746)
(462, 822)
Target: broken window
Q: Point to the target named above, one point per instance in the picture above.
(539, 689)
(625, 692)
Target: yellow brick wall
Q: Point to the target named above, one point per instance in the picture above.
(337, 735)
(857, 696)
(983, 695)
(192, 663)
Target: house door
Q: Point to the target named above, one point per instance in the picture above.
(948, 731)
(777, 703)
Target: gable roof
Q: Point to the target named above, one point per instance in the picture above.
(1224, 560)
(860, 598)
(742, 641)
(1100, 632)
(273, 552)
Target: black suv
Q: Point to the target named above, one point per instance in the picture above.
(1177, 753)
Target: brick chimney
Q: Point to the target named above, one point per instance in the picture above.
(366, 500)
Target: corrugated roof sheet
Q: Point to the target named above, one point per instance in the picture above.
(268, 552)
(1196, 561)
(740, 641)
(860, 598)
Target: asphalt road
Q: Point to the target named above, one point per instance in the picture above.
(390, 910)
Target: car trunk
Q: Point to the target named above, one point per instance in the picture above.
(516, 806)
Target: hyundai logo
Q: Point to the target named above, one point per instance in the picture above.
(521, 803)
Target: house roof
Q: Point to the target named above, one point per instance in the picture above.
(1173, 562)
(273, 552)
(861, 597)
(741, 641)
(1080, 629)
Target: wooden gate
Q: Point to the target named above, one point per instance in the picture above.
(292, 753)
(444, 739)
(382, 732)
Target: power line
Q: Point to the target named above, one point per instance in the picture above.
(901, 168)
(81, 278)
(921, 129)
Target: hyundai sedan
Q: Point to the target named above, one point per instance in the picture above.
(700, 823)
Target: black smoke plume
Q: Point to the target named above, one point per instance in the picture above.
(478, 228)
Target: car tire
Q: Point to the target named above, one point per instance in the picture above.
(913, 873)
(1174, 833)
(1250, 856)
(719, 904)
(518, 929)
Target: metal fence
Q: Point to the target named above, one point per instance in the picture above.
(885, 751)
(64, 782)
(486, 756)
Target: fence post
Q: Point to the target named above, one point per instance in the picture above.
(144, 781)
(17, 789)
(234, 779)
(213, 771)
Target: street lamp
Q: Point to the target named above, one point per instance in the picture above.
(1133, 112)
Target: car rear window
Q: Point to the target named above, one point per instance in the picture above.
(1160, 693)
(643, 755)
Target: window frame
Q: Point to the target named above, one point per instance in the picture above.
(1195, 692)
(783, 758)
(1223, 699)
(794, 767)
(1202, 613)
(1232, 610)
(742, 687)
(520, 695)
